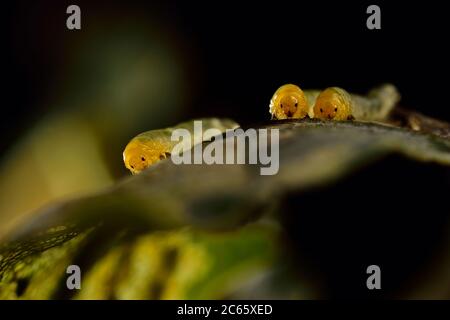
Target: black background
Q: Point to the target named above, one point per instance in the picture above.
(245, 49)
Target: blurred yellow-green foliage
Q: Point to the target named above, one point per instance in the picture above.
(117, 81)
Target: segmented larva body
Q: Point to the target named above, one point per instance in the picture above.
(289, 102)
(377, 105)
(334, 103)
(152, 146)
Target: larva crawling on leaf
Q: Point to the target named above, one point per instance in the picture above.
(152, 146)
(290, 102)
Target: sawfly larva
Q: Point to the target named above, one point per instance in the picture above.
(336, 104)
(152, 146)
(289, 102)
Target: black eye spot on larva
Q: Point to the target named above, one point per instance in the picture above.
(132, 167)
(142, 158)
(281, 105)
(296, 104)
(321, 110)
(335, 109)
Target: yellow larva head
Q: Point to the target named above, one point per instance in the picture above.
(139, 154)
(333, 104)
(289, 102)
